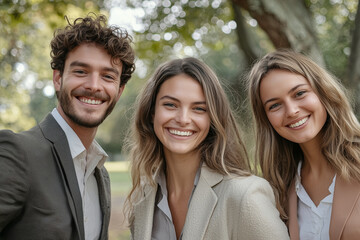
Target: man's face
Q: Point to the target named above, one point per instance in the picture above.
(89, 87)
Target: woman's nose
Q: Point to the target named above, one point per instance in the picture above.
(292, 109)
(183, 117)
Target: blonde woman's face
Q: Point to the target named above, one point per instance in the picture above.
(292, 107)
(181, 120)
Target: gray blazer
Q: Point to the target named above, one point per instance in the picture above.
(222, 207)
(39, 193)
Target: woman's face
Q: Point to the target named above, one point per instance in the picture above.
(292, 107)
(181, 120)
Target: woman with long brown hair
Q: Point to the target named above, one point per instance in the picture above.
(190, 170)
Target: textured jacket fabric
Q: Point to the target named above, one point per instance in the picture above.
(222, 207)
(39, 193)
(345, 214)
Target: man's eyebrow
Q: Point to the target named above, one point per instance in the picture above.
(82, 64)
(79, 64)
(114, 70)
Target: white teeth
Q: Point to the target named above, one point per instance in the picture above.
(90, 101)
(299, 123)
(180, 133)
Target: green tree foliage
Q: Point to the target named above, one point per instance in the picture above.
(230, 34)
(183, 28)
(335, 23)
(226, 34)
(26, 29)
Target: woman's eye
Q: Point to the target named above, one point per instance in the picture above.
(200, 109)
(274, 106)
(300, 93)
(169, 104)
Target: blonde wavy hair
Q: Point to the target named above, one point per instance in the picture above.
(278, 157)
(222, 150)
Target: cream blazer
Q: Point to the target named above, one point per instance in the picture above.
(222, 207)
(345, 214)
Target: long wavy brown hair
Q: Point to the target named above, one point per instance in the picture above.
(222, 150)
(278, 157)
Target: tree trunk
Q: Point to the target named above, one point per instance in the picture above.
(354, 64)
(244, 38)
(288, 24)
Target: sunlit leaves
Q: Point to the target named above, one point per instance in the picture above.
(26, 29)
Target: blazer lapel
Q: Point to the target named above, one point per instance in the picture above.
(345, 197)
(202, 205)
(103, 183)
(53, 132)
(144, 215)
(293, 224)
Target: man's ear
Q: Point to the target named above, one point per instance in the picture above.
(57, 80)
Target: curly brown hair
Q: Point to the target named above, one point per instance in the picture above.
(93, 29)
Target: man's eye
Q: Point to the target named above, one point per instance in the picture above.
(109, 77)
(79, 72)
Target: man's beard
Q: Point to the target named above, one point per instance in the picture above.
(70, 111)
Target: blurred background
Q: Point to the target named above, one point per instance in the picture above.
(227, 34)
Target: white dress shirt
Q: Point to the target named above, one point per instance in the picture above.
(314, 221)
(85, 162)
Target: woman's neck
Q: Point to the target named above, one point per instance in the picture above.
(180, 174)
(314, 160)
(181, 171)
(316, 169)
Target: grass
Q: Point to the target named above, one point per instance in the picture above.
(120, 186)
(119, 177)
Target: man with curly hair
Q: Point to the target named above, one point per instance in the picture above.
(53, 184)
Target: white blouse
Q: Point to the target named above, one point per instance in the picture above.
(314, 221)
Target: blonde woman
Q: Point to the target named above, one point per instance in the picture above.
(308, 145)
(190, 171)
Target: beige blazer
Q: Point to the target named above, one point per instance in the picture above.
(345, 215)
(222, 207)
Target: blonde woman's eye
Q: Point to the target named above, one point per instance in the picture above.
(200, 109)
(300, 93)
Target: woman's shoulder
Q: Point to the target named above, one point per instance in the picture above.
(245, 181)
(246, 185)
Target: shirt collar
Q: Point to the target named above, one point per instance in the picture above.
(298, 177)
(298, 183)
(76, 146)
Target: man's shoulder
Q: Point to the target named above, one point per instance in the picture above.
(30, 139)
(19, 137)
